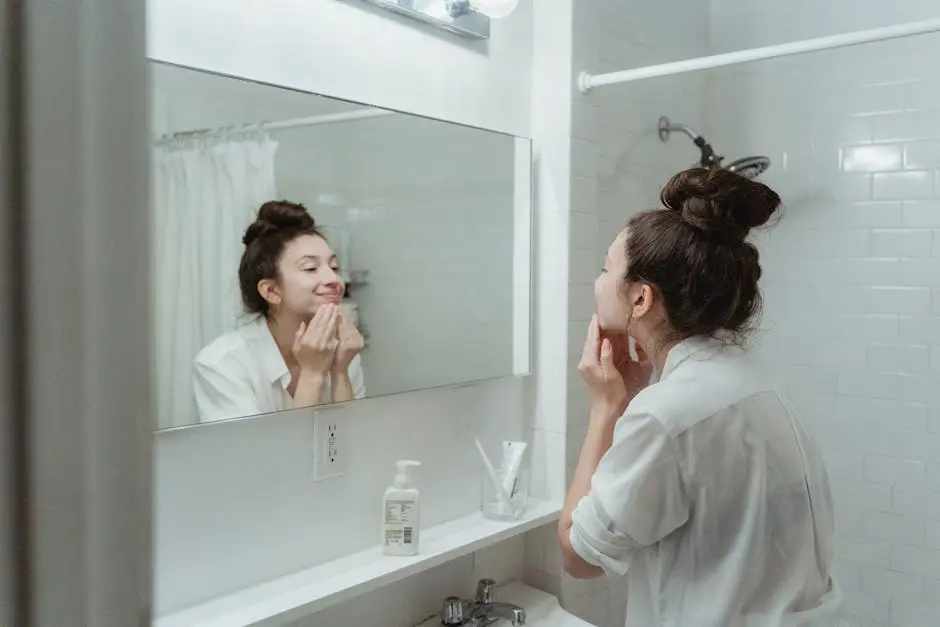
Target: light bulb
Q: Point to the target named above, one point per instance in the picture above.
(494, 8)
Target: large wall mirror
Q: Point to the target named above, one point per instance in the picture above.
(311, 250)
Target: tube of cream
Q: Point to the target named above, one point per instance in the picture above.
(505, 504)
(510, 464)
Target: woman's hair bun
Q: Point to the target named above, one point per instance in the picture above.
(279, 215)
(719, 203)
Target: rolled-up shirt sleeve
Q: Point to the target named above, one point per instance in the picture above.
(637, 496)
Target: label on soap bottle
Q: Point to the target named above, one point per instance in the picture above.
(399, 523)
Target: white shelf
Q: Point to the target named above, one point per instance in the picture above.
(301, 594)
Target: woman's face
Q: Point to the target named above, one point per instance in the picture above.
(612, 309)
(620, 305)
(309, 276)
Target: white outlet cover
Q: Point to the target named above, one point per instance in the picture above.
(330, 446)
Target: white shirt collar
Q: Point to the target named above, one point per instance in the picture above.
(271, 362)
(686, 349)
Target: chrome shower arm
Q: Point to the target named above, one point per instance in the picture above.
(748, 167)
(666, 127)
(708, 157)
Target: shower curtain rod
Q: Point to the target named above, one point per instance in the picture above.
(326, 119)
(287, 124)
(587, 81)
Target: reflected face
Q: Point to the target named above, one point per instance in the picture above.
(612, 310)
(308, 276)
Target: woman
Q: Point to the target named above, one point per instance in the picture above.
(298, 350)
(704, 487)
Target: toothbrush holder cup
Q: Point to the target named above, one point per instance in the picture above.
(493, 507)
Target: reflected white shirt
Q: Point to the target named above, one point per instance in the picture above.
(713, 499)
(242, 373)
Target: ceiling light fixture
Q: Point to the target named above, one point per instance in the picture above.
(494, 8)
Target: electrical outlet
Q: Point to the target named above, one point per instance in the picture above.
(330, 445)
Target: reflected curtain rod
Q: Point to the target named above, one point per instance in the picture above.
(331, 118)
(587, 82)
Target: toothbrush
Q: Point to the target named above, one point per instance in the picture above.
(500, 490)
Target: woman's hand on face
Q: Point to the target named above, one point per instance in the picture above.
(599, 371)
(314, 343)
(350, 344)
(634, 372)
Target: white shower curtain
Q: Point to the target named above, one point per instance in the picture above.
(206, 192)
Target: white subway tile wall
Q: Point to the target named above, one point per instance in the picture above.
(851, 276)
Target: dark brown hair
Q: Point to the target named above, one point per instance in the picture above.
(695, 254)
(278, 223)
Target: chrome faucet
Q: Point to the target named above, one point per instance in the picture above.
(483, 611)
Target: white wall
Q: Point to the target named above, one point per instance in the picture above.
(852, 305)
(234, 505)
(345, 49)
(737, 25)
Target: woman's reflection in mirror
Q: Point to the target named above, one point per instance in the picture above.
(298, 349)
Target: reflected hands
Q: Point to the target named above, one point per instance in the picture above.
(314, 346)
(350, 344)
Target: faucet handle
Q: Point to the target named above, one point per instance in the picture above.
(486, 591)
(453, 612)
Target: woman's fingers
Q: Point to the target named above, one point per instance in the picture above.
(332, 314)
(334, 323)
(607, 355)
(320, 330)
(299, 334)
(620, 344)
(320, 316)
(591, 352)
(328, 329)
(313, 327)
(344, 328)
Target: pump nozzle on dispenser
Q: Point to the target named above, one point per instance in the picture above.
(403, 479)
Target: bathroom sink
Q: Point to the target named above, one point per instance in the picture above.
(542, 609)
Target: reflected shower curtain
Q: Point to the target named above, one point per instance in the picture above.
(206, 192)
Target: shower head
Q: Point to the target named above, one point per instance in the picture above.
(748, 167)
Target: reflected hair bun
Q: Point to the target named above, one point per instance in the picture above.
(279, 215)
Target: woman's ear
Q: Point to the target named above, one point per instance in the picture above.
(642, 300)
(267, 288)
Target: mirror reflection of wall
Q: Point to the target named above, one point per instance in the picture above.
(428, 221)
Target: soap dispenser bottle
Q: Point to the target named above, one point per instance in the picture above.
(401, 508)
